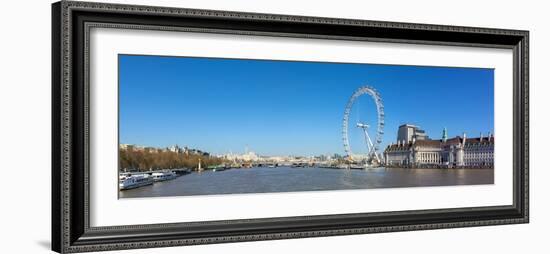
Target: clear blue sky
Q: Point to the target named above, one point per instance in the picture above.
(290, 108)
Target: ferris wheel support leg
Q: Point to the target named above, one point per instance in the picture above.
(372, 150)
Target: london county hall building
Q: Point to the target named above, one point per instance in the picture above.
(415, 149)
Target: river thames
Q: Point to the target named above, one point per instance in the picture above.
(287, 179)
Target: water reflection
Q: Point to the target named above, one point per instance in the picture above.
(286, 179)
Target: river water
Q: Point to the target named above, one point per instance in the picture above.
(287, 179)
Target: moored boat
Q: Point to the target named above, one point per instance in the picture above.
(127, 182)
(163, 176)
(357, 166)
(220, 167)
(342, 166)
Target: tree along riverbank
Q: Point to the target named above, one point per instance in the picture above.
(145, 161)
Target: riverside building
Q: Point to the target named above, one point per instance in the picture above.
(457, 152)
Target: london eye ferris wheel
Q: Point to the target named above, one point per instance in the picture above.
(377, 128)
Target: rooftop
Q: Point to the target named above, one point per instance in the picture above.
(439, 142)
(408, 125)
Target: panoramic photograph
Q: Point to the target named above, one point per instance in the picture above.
(217, 126)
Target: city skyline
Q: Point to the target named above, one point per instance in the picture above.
(290, 108)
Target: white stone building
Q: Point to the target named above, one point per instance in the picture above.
(456, 152)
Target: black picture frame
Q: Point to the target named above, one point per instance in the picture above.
(71, 231)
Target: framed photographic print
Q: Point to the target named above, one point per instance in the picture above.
(181, 126)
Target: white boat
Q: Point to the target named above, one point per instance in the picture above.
(124, 175)
(356, 166)
(127, 181)
(342, 166)
(163, 176)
